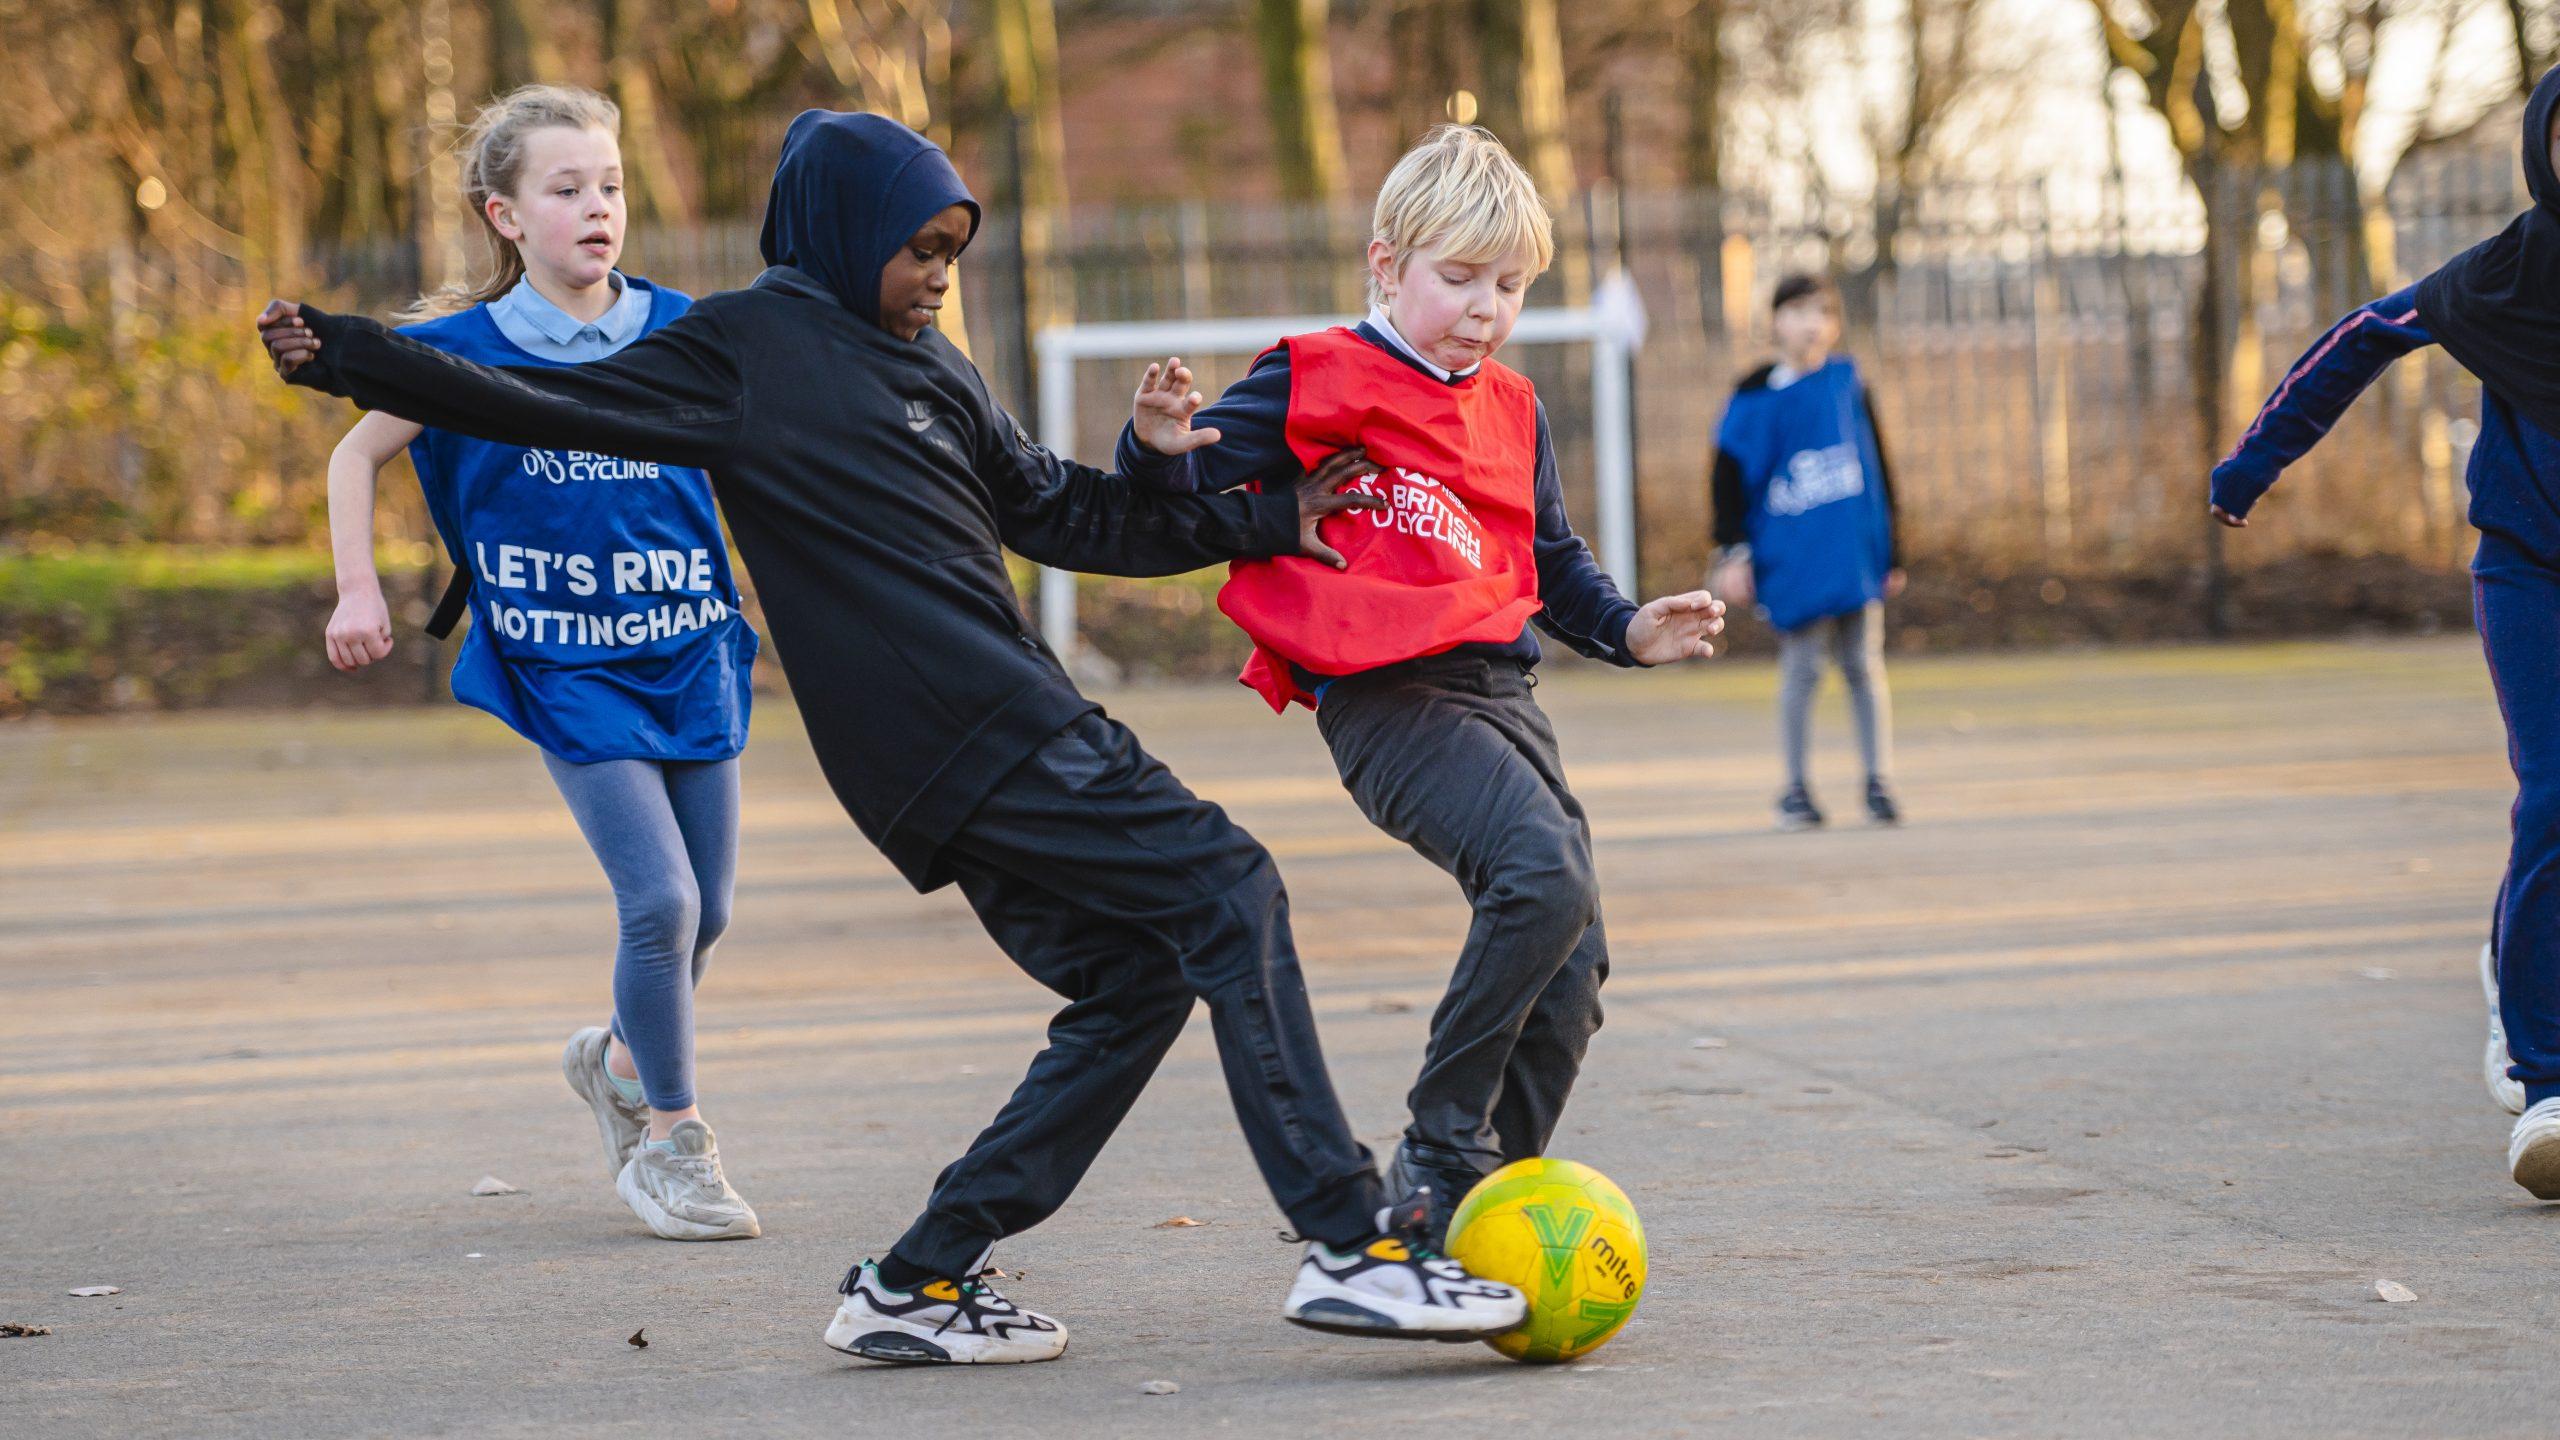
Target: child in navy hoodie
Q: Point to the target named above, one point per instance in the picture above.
(869, 479)
(2496, 309)
(1804, 522)
(1410, 634)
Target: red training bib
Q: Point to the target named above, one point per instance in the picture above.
(1449, 562)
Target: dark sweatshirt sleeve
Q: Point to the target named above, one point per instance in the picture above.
(1580, 604)
(1884, 487)
(2315, 391)
(1052, 510)
(1252, 421)
(674, 397)
(1727, 501)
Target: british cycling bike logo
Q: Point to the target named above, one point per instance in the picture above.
(564, 467)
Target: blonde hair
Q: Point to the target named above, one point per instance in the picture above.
(492, 155)
(1460, 191)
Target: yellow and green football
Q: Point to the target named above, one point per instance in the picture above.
(1572, 1243)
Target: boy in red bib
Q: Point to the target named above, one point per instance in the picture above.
(1411, 638)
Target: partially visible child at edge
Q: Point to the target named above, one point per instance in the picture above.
(1804, 522)
(630, 674)
(1417, 658)
(2495, 308)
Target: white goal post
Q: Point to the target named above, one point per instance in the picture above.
(1613, 326)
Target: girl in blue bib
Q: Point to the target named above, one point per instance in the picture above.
(604, 624)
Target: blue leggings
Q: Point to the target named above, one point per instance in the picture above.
(667, 835)
(2516, 601)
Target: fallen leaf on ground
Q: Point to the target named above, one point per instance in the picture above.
(1178, 1222)
(492, 1185)
(17, 1330)
(91, 1292)
(1160, 1387)
(1389, 1007)
(639, 1339)
(2393, 1292)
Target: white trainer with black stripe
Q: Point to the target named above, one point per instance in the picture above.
(2503, 1088)
(1395, 1287)
(941, 1322)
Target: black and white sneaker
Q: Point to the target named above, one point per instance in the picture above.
(944, 1322)
(1395, 1288)
(1796, 810)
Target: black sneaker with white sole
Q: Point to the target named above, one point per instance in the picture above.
(1418, 1182)
(1394, 1287)
(942, 1322)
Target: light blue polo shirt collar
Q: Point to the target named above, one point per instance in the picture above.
(529, 320)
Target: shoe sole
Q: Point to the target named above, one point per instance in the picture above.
(897, 1347)
(2538, 1168)
(667, 1226)
(575, 1067)
(1341, 1321)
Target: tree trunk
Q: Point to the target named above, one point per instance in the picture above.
(1297, 93)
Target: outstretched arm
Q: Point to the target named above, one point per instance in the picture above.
(1578, 603)
(674, 397)
(1057, 512)
(1251, 421)
(2315, 391)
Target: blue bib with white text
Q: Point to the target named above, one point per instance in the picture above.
(604, 622)
(1820, 538)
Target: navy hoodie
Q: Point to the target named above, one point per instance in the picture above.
(868, 482)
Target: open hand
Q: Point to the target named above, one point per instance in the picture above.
(1161, 413)
(360, 632)
(1675, 627)
(290, 343)
(2236, 522)
(1320, 498)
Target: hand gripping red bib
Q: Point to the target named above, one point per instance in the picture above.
(1447, 563)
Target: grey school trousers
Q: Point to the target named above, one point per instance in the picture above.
(1452, 755)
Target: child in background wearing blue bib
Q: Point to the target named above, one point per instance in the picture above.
(1804, 520)
(604, 624)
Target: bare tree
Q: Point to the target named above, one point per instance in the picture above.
(1297, 91)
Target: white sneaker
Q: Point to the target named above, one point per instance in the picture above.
(1393, 1288)
(2508, 1092)
(942, 1322)
(679, 1190)
(2533, 1152)
(623, 1124)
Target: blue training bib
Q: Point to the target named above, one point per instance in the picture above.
(604, 622)
(1820, 540)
